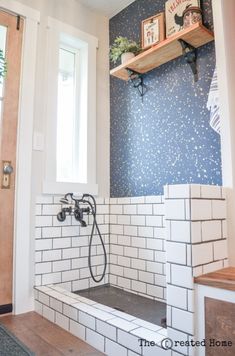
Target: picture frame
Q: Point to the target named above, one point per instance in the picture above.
(152, 30)
(174, 11)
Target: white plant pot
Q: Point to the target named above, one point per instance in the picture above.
(126, 57)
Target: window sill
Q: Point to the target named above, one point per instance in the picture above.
(57, 188)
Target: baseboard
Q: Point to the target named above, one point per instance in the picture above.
(5, 309)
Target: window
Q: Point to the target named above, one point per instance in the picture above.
(67, 158)
(71, 111)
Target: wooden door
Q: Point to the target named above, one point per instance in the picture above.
(11, 33)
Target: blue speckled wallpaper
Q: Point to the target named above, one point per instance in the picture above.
(166, 139)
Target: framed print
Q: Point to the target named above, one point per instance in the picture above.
(153, 30)
(175, 14)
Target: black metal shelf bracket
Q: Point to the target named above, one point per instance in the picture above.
(190, 55)
(137, 80)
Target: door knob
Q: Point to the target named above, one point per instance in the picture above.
(7, 168)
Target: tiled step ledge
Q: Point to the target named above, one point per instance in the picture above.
(108, 330)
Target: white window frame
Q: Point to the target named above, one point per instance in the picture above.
(59, 32)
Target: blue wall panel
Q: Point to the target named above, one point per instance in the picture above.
(166, 139)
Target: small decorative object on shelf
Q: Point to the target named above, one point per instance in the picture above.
(123, 49)
(153, 30)
(192, 15)
(175, 11)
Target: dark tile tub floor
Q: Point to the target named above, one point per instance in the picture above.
(143, 308)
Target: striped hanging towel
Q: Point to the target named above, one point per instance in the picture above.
(213, 103)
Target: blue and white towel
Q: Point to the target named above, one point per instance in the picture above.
(213, 103)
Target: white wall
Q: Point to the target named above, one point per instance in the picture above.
(74, 14)
(225, 53)
(77, 15)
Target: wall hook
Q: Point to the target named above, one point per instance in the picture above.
(190, 55)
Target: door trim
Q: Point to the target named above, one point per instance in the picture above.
(23, 262)
(20, 9)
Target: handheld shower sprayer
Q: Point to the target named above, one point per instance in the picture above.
(79, 207)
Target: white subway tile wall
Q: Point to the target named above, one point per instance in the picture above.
(134, 233)
(62, 248)
(196, 244)
(137, 236)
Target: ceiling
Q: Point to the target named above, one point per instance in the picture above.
(108, 8)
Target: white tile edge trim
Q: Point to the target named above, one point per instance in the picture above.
(87, 306)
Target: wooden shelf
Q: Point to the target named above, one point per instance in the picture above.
(167, 50)
(223, 278)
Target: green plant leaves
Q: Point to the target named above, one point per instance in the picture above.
(123, 45)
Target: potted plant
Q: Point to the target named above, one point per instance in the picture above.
(123, 49)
